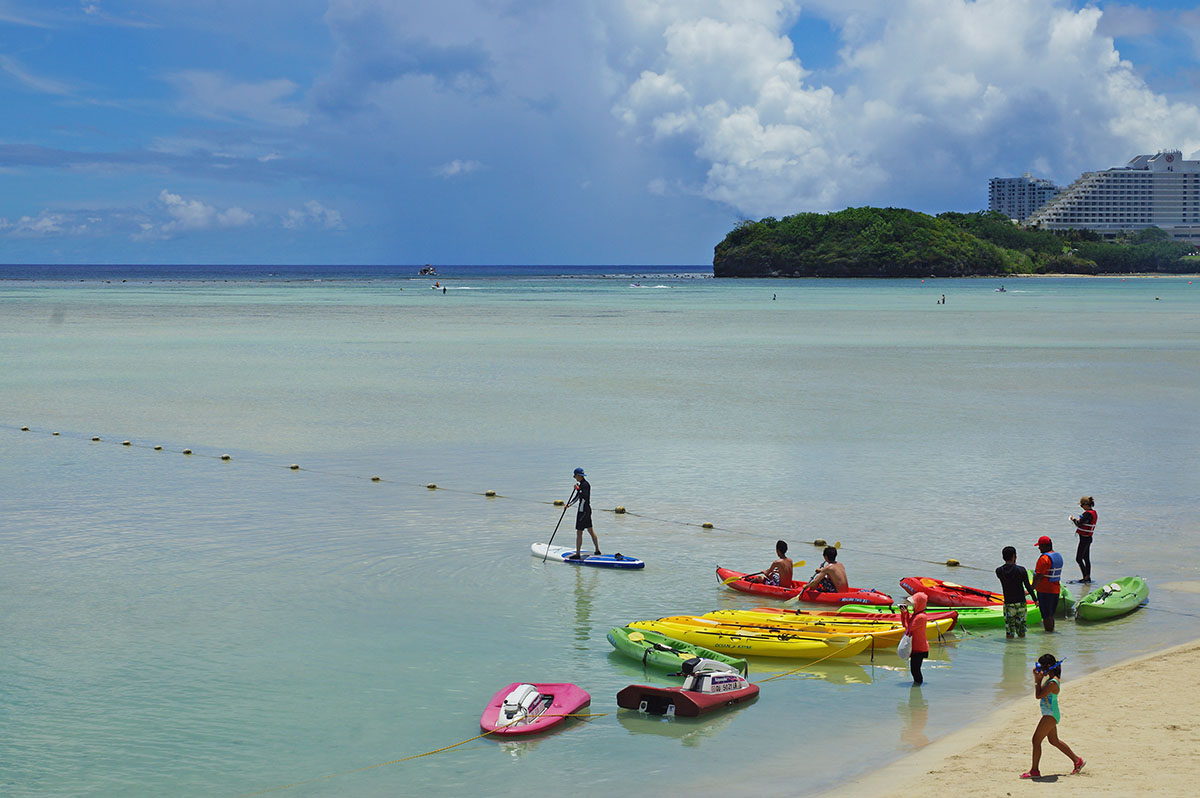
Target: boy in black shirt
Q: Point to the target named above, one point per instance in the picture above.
(1014, 580)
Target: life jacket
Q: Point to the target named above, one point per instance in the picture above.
(1056, 566)
(1086, 524)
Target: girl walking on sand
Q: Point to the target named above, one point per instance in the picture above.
(1046, 674)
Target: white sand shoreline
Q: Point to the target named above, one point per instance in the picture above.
(1134, 723)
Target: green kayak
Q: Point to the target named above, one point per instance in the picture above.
(665, 653)
(975, 617)
(1114, 598)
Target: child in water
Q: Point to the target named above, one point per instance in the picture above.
(1046, 674)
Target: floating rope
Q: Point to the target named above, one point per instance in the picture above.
(414, 756)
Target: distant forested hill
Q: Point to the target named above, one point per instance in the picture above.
(895, 242)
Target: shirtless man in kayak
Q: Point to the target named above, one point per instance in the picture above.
(830, 577)
(779, 573)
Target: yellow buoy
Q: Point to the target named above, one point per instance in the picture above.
(158, 448)
(187, 451)
(706, 525)
(431, 486)
(24, 429)
(95, 437)
(294, 467)
(952, 562)
(819, 542)
(375, 479)
(559, 502)
(53, 433)
(489, 493)
(224, 457)
(619, 509)
(126, 443)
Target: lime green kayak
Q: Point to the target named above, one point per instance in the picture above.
(656, 650)
(968, 617)
(1114, 598)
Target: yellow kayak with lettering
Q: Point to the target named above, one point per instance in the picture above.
(884, 632)
(740, 641)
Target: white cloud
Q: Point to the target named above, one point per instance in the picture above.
(931, 98)
(456, 168)
(44, 225)
(196, 215)
(16, 71)
(314, 214)
(213, 95)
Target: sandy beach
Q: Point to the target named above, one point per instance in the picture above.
(1134, 724)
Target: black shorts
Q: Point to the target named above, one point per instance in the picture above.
(583, 520)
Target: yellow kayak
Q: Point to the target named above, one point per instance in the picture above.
(756, 641)
(884, 632)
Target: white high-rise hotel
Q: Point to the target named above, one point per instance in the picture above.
(1017, 197)
(1161, 190)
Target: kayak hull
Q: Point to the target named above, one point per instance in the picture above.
(1113, 599)
(684, 703)
(562, 553)
(884, 632)
(851, 596)
(557, 700)
(949, 594)
(649, 650)
(746, 642)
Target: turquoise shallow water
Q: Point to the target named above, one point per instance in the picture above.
(185, 625)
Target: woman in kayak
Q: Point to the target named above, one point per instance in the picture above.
(1085, 525)
(1046, 674)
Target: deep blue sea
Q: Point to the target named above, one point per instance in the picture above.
(189, 625)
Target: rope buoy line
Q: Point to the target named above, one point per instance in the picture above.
(414, 756)
(707, 526)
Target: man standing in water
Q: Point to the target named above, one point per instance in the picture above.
(1046, 576)
(583, 516)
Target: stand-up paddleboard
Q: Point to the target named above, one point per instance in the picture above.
(561, 553)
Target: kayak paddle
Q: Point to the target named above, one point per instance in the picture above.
(756, 573)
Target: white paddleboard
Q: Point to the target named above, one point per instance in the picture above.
(562, 554)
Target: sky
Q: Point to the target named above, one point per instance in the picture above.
(541, 132)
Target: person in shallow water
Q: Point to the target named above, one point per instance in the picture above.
(1047, 574)
(583, 515)
(779, 572)
(1085, 527)
(830, 577)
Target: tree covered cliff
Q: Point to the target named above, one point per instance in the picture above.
(895, 242)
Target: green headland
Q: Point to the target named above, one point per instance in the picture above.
(896, 242)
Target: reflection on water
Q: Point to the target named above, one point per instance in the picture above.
(585, 584)
(689, 731)
(914, 716)
(842, 671)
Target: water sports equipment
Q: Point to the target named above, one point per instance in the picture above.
(868, 612)
(951, 594)
(562, 554)
(739, 641)
(888, 631)
(707, 685)
(1112, 599)
(665, 653)
(968, 617)
(852, 596)
(528, 708)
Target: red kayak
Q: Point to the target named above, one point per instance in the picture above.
(949, 594)
(525, 708)
(854, 595)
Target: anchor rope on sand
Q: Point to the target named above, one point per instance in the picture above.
(491, 494)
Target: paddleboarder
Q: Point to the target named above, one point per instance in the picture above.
(1014, 581)
(583, 514)
(778, 573)
(830, 577)
(1046, 577)
(1085, 526)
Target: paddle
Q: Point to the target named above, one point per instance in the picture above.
(560, 518)
(724, 582)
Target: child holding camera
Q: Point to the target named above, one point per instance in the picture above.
(1046, 674)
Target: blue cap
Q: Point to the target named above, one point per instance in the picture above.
(579, 472)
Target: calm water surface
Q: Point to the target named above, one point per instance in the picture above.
(180, 625)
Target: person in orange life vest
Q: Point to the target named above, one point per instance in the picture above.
(1085, 526)
(1046, 577)
(915, 625)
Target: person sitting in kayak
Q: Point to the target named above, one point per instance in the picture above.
(779, 573)
(830, 577)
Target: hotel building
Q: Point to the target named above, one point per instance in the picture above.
(1161, 190)
(1018, 197)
